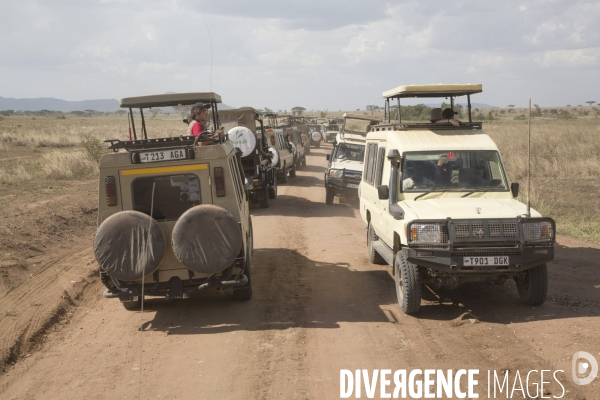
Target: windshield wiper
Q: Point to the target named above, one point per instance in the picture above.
(467, 194)
(429, 191)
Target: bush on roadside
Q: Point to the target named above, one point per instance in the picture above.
(68, 165)
(94, 148)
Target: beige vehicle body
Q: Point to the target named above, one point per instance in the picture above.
(280, 145)
(159, 203)
(438, 207)
(297, 128)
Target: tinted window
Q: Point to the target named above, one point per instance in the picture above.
(380, 160)
(173, 195)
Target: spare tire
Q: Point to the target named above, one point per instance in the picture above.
(207, 239)
(243, 138)
(316, 136)
(129, 245)
(275, 156)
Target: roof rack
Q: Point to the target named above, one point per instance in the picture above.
(431, 126)
(153, 144)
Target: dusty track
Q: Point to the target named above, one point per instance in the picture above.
(318, 306)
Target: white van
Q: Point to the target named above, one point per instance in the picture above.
(439, 208)
(345, 168)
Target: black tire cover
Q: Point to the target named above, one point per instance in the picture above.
(207, 239)
(129, 245)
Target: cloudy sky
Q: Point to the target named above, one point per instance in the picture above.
(317, 54)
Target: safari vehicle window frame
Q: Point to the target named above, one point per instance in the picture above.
(236, 178)
(380, 163)
(402, 172)
(369, 164)
(161, 193)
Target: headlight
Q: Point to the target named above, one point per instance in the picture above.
(537, 231)
(427, 233)
(336, 173)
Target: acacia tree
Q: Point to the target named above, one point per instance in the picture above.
(510, 108)
(590, 102)
(298, 110)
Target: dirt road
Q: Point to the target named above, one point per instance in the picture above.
(319, 306)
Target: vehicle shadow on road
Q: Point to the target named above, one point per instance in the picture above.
(573, 292)
(305, 208)
(290, 291)
(313, 168)
(304, 181)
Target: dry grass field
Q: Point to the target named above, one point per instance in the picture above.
(36, 154)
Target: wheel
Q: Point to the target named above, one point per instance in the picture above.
(304, 161)
(374, 256)
(246, 292)
(307, 150)
(273, 189)
(293, 170)
(284, 177)
(408, 284)
(318, 145)
(132, 305)
(533, 286)
(329, 196)
(264, 200)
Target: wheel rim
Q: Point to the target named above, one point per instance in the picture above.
(399, 286)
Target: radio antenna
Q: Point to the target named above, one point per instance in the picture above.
(211, 53)
(529, 162)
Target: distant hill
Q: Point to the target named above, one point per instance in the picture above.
(51, 104)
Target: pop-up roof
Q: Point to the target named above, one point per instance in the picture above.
(169, 100)
(441, 90)
(363, 117)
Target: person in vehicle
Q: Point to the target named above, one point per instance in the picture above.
(436, 114)
(475, 179)
(448, 116)
(199, 120)
(418, 179)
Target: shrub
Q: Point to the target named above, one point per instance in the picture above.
(94, 148)
(67, 165)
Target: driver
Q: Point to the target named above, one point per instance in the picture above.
(476, 177)
(418, 179)
(197, 126)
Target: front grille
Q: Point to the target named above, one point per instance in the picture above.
(484, 229)
(353, 175)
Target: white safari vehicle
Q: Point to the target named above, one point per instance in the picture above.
(439, 209)
(345, 168)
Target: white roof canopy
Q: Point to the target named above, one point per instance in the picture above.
(440, 90)
(363, 117)
(169, 100)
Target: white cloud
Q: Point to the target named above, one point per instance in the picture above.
(572, 58)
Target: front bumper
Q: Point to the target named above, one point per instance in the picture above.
(341, 185)
(444, 260)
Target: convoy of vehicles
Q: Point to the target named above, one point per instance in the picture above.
(345, 167)
(244, 127)
(281, 148)
(439, 209)
(158, 207)
(173, 213)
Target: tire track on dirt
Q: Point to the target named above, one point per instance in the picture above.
(283, 345)
(37, 305)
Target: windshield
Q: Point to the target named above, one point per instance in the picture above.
(464, 171)
(352, 152)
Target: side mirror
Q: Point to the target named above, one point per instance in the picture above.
(328, 157)
(514, 188)
(383, 191)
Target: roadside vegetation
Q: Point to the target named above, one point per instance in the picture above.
(41, 151)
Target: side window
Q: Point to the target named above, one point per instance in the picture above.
(366, 163)
(380, 161)
(370, 163)
(236, 178)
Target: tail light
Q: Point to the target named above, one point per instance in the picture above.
(273, 140)
(111, 190)
(219, 181)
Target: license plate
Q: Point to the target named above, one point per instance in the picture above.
(162, 155)
(476, 261)
(352, 185)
